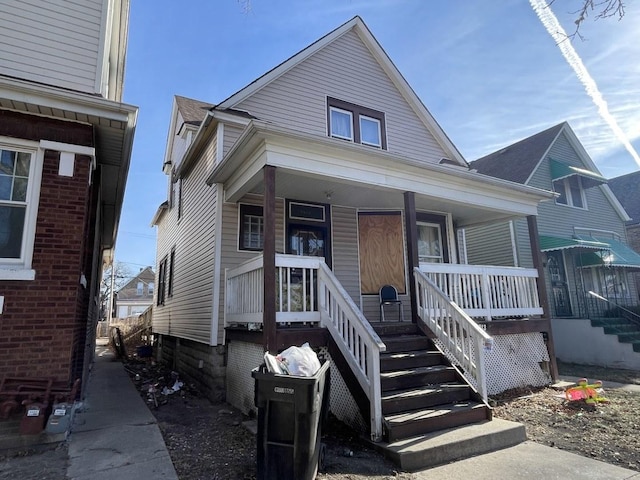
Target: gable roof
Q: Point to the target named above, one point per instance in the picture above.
(517, 162)
(192, 111)
(627, 190)
(145, 275)
(358, 26)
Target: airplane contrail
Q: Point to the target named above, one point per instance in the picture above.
(551, 23)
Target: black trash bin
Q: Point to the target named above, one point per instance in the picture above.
(291, 411)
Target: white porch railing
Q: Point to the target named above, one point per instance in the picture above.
(357, 340)
(461, 339)
(308, 291)
(296, 291)
(488, 291)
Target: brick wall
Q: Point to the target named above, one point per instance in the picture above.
(44, 323)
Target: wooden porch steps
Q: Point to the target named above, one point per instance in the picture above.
(422, 394)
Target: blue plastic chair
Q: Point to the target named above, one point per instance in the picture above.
(389, 296)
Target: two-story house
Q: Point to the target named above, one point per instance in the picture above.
(65, 146)
(135, 296)
(291, 204)
(588, 263)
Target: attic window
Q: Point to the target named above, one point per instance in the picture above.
(354, 123)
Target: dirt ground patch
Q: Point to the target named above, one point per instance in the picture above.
(209, 441)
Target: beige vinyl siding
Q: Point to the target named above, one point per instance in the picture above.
(188, 313)
(560, 220)
(231, 255)
(231, 134)
(167, 235)
(55, 42)
(344, 69)
(344, 229)
(490, 245)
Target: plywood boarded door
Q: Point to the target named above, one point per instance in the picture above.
(381, 245)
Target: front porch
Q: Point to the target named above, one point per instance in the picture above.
(334, 223)
(455, 306)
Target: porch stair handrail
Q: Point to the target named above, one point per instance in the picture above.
(357, 340)
(629, 315)
(464, 342)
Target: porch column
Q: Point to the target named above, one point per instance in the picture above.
(532, 223)
(269, 259)
(411, 227)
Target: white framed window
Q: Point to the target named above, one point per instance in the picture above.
(370, 133)
(150, 288)
(139, 288)
(20, 179)
(429, 243)
(571, 192)
(341, 123)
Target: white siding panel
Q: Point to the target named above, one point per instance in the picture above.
(188, 313)
(346, 70)
(489, 245)
(231, 255)
(55, 42)
(344, 228)
(231, 134)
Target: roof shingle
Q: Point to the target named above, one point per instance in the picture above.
(516, 162)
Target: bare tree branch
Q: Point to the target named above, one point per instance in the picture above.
(598, 9)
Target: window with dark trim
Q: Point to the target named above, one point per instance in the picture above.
(354, 123)
(571, 192)
(251, 228)
(162, 280)
(172, 263)
(179, 182)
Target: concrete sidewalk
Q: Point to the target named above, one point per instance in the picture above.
(114, 435)
(528, 461)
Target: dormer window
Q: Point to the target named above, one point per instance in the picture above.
(571, 192)
(354, 123)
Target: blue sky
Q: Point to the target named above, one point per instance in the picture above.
(487, 71)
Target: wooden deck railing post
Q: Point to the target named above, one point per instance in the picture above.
(542, 290)
(411, 227)
(269, 259)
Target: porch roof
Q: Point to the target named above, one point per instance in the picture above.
(617, 254)
(328, 170)
(549, 243)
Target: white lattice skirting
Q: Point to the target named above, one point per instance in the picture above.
(517, 360)
(243, 357)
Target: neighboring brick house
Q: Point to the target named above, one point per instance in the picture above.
(136, 295)
(65, 145)
(627, 190)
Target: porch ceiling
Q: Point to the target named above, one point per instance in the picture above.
(321, 189)
(326, 170)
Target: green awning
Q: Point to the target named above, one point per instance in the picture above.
(561, 170)
(548, 243)
(617, 255)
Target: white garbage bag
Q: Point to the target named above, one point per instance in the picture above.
(301, 361)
